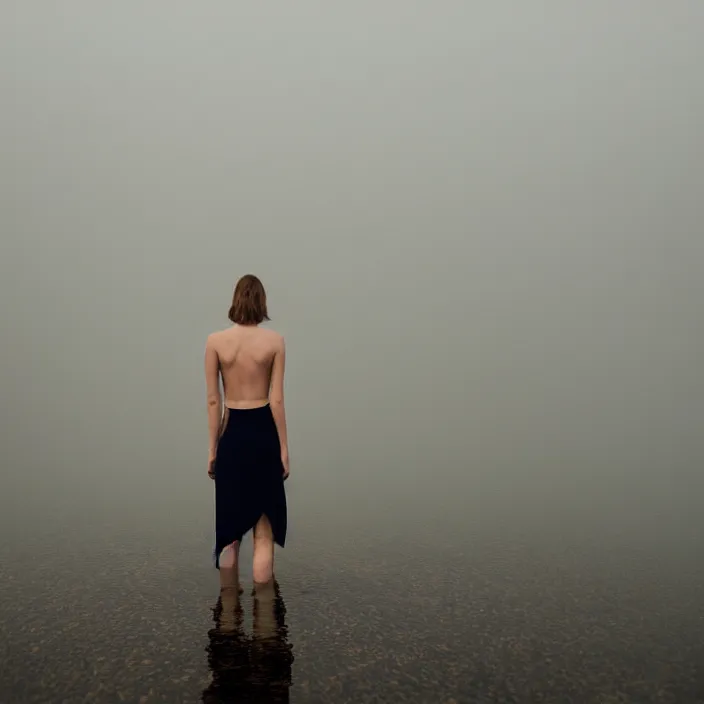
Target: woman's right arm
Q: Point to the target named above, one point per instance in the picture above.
(276, 399)
(212, 382)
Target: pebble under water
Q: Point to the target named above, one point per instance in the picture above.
(131, 611)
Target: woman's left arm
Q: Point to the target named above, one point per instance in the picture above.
(212, 382)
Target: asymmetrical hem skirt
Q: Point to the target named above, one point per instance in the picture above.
(249, 481)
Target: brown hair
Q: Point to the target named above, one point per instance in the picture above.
(248, 302)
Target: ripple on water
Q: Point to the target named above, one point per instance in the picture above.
(112, 618)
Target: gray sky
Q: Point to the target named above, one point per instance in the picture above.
(479, 224)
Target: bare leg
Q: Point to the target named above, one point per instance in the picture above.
(264, 620)
(231, 616)
(271, 654)
(263, 561)
(229, 567)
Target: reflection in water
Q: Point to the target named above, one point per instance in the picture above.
(254, 668)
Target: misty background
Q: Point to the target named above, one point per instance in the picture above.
(480, 229)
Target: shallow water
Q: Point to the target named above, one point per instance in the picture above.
(114, 601)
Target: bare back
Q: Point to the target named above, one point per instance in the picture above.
(246, 357)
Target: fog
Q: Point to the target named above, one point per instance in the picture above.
(479, 226)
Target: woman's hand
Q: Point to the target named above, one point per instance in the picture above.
(211, 465)
(285, 463)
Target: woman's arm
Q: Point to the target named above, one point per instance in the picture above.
(276, 399)
(212, 383)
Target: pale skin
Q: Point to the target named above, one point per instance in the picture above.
(251, 363)
(264, 622)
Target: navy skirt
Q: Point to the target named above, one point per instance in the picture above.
(249, 481)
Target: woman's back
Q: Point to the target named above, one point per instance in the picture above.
(246, 356)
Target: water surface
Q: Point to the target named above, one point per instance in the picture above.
(558, 604)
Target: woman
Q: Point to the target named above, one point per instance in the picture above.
(248, 454)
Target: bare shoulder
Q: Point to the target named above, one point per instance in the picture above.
(274, 338)
(214, 340)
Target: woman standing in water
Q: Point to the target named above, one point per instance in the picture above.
(248, 454)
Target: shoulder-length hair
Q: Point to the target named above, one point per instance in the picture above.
(248, 302)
